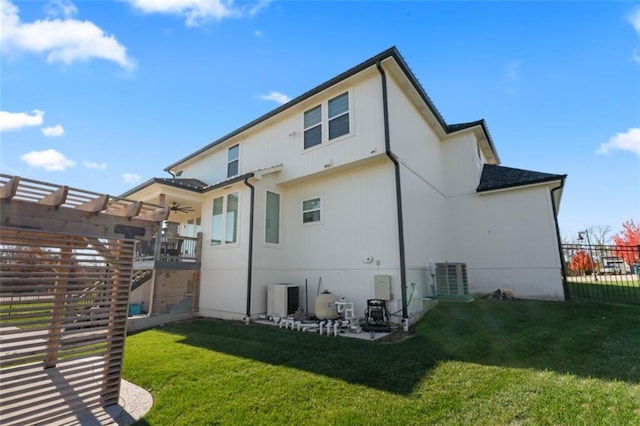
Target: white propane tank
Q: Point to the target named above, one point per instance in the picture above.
(325, 306)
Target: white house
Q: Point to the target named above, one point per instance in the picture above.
(355, 180)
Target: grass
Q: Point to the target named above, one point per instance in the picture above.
(485, 362)
(614, 290)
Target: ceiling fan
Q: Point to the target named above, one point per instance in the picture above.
(175, 207)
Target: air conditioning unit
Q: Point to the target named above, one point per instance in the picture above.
(452, 281)
(282, 299)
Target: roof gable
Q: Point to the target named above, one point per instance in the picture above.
(391, 53)
(499, 177)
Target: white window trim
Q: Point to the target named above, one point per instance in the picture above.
(223, 244)
(229, 162)
(264, 240)
(324, 122)
(320, 124)
(348, 111)
(302, 211)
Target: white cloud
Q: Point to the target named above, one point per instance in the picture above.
(53, 131)
(635, 56)
(276, 97)
(629, 141)
(94, 166)
(50, 160)
(199, 12)
(258, 33)
(62, 8)
(17, 120)
(131, 177)
(634, 19)
(62, 40)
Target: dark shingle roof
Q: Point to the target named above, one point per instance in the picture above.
(500, 177)
(186, 183)
(461, 126)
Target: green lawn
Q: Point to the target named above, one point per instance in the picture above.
(608, 289)
(480, 363)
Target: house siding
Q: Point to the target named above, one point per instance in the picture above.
(506, 238)
(508, 241)
(223, 276)
(280, 141)
(357, 221)
(447, 220)
(420, 155)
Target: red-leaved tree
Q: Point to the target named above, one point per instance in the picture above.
(627, 242)
(582, 262)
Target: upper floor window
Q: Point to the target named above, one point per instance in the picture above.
(336, 121)
(311, 210)
(313, 127)
(339, 116)
(225, 220)
(233, 160)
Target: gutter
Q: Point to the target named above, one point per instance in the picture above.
(396, 165)
(250, 254)
(565, 286)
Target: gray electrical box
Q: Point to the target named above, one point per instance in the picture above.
(382, 287)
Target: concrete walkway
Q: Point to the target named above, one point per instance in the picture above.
(133, 404)
(134, 401)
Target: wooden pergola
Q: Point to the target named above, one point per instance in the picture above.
(66, 260)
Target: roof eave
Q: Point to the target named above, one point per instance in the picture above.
(160, 182)
(228, 182)
(546, 181)
(138, 188)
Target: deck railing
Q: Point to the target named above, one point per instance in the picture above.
(171, 249)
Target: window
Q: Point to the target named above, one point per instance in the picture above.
(311, 210)
(193, 227)
(313, 127)
(231, 235)
(336, 121)
(225, 220)
(216, 224)
(272, 218)
(339, 116)
(233, 161)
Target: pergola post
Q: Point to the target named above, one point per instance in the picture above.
(58, 309)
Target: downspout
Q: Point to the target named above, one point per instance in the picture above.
(250, 254)
(387, 150)
(565, 287)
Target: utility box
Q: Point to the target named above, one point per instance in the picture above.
(282, 299)
(382, 287)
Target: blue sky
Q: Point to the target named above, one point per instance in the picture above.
(103, 95)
